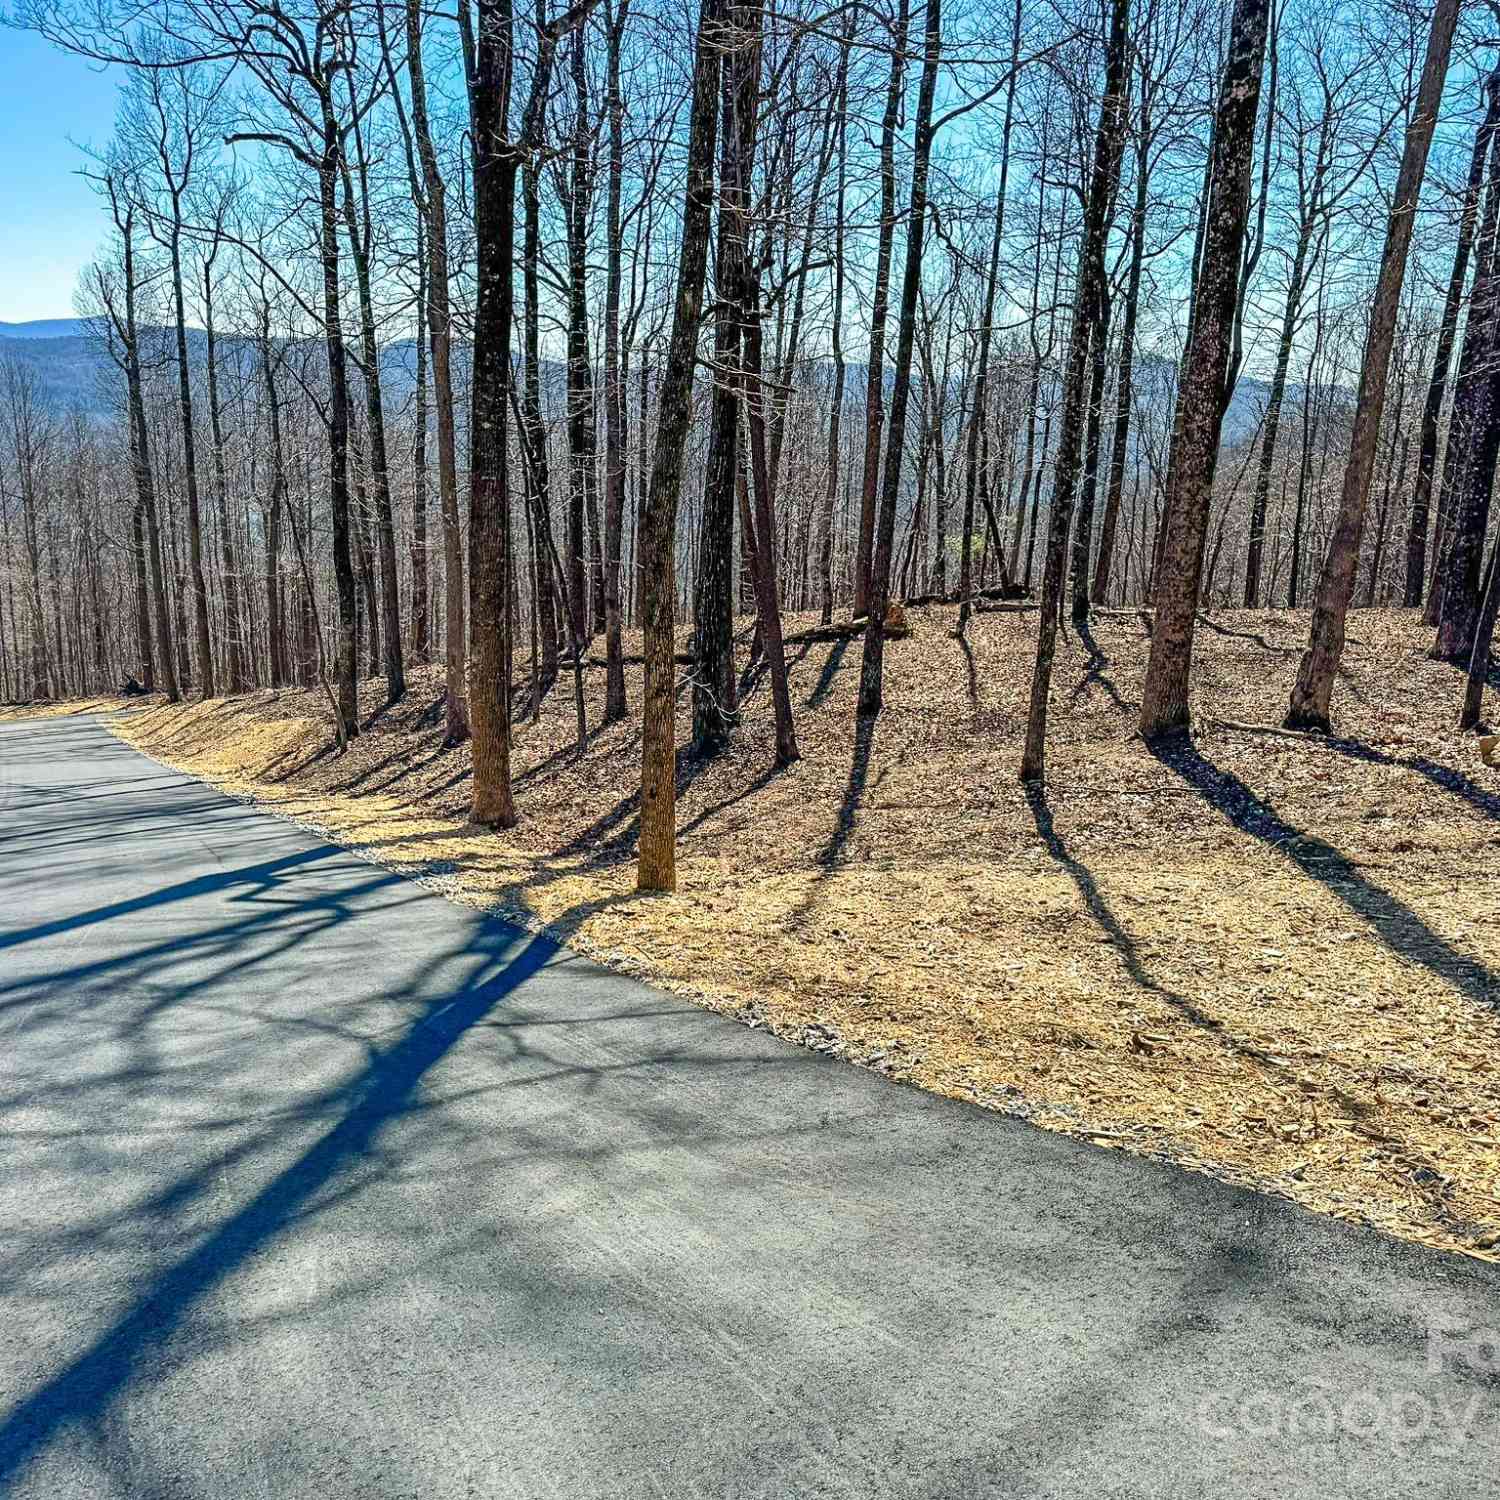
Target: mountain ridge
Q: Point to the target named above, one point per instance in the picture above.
(74, 373)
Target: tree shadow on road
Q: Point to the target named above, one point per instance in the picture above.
(499, 959)
(258, 1032)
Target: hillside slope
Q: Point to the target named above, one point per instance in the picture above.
(1271, 957)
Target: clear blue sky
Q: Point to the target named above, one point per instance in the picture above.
(50, 221)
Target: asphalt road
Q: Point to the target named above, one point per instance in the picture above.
(315, 1185)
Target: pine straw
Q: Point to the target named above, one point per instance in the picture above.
(1270, 957)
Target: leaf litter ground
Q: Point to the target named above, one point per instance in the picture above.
(1273, 958)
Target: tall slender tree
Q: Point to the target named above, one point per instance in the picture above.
(1109, 147)
(871, 671)
(657, 865)
(1205, 372)
(1313, 691)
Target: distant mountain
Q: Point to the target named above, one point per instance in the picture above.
(73, 373)
(44, 328)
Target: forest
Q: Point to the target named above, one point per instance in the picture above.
(988, 503)
(471, 337)
(749, 750)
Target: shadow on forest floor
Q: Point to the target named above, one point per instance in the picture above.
(1390, 920)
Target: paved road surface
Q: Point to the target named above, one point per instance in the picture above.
(315, 1186)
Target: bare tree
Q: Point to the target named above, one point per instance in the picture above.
(1313, 691)
(1109, 146)
(1205, 370)
(657, 865)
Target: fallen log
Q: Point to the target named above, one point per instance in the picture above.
(682, 659)
(1003, 591)
(839, 630)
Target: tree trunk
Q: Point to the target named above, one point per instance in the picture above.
(280, 666)
(1484, 635)
(421, 606)
(145, 487)
(361, 236)
(871, 672)
(583, 579)
(1313, 691)
(986, 331)
(763, 572)
(439, 332)
(1432, 408)
(1083, 532)
(203, 655)
(1125, 381)
(534, 429)
(714, 707)
(1109, 146)
(1473, 444)
(1272, 428)
(1464, 511)
(345, 688)
(614, 389)
(234, 643)
(142, 597)
(836, 410)
(1200, 408)
(495, 166)
(875, 369)
(657, 866)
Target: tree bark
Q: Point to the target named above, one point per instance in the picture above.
(1313, 690)
(140, 458)
(875, 369)
(836, 410)
(360, 229)
(203, 655)
(1109, 146)
(1200, 408)
(439, 332)
(657, 865)
(280, 667)
(421, 605)
(1125, 380)
(614, 388)
(1484, 635)
(234, 643)
(714, 690)
(871, 672)
(533, 428)
(986, 332)
(496, 163)
(1432, 407)
(1274, 399)
(345, 688)
(583, 578)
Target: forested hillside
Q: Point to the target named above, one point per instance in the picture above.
(990, 504)
(1241, 953)
(479, 339)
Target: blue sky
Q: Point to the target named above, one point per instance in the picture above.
(50, 221)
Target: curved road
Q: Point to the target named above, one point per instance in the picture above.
(315, 1185)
